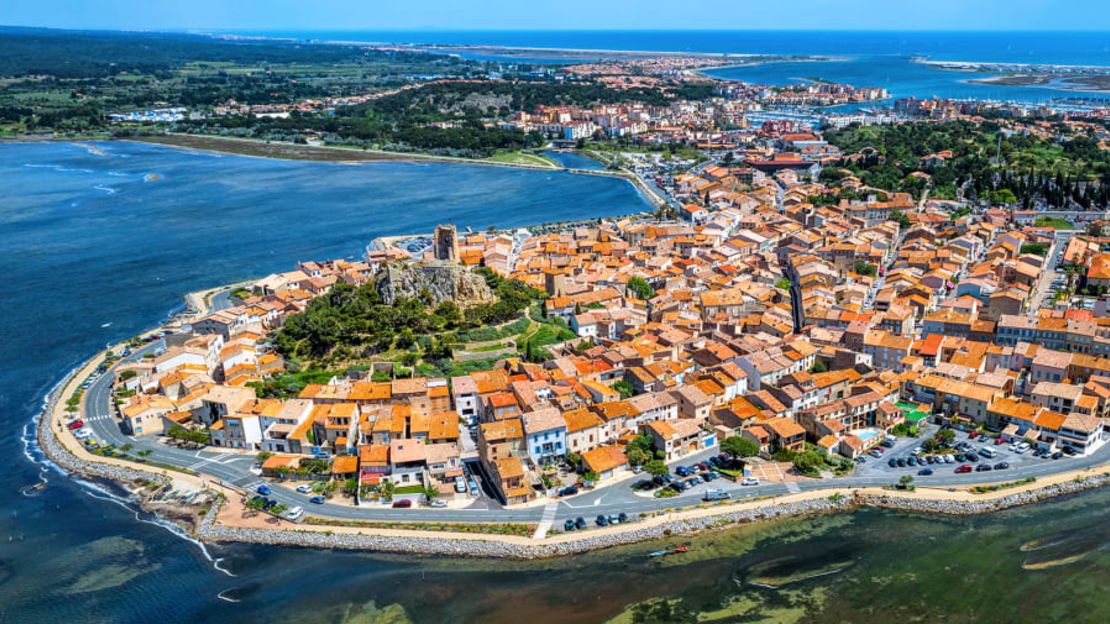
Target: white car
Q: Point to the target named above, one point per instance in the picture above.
(81, 434)
(294, 513)
(750, 481)
(438, 504)
(304, 489)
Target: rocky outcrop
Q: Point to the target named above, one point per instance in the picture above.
(438, 281)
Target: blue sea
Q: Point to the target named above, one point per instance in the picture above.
(865, 58)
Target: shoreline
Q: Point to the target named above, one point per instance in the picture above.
(310, 153)
(203, 520)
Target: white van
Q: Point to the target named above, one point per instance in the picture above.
(294, 513)
(986, 452)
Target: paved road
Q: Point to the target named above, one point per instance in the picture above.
(234, 467)
(1055, 253)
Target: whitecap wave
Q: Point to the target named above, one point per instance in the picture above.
(221, 596)
(34, 453)
(107, 189)
(58, 168)
(100, 493)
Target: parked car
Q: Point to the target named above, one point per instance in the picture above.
(614, 519)
(875, 453)
(623, 517)
(460, 485)
(404, 503)
(81, 434)
(438, 503)
(912, 461)
(570, 490)
(1069, 451)
(569, 525)
(750, 481)
(317, 500)
(264, 490)
(294, 513)
(75, 425)
(716, 495)
(602, 520)
(925, 472)
(999, 441)
(580, 522)
(901, 462)
(682, 471)
(948, 459)
(892, 463)
(983, 468)
(304, 488)
(963, 468)
(1057, 455)
(1001, 466)
(703, 466)
(972, 457)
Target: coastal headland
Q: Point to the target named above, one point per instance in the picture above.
(213, 510)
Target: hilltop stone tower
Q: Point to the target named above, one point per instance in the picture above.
(446, 243)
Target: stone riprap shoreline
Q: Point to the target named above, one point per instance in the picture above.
(1015, 499)
(208, 528)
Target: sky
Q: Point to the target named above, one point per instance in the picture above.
(373, 15)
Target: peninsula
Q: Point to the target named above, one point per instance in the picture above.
(901, 307)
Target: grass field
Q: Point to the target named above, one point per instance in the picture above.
(521, 158)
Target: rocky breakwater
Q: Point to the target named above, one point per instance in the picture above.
(434, 281)
(988, 503)
(516, 548)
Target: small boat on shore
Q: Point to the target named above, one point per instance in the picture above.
(663, 553)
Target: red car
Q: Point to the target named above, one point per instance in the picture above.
(973, 435)
(402, 504)
(963, 469)
(75, 425)
(998, 441)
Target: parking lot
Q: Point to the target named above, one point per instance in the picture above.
(904, 448)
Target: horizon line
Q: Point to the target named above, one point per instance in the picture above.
(415, 29)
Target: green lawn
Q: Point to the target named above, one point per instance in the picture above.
(1054, 222)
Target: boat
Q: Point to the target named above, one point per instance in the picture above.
(662, 553)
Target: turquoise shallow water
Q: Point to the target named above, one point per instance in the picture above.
(89, 237)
